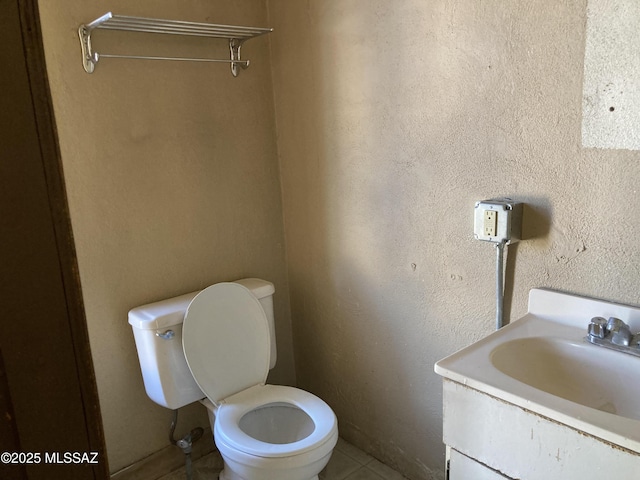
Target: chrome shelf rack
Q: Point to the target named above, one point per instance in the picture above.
(236, 36)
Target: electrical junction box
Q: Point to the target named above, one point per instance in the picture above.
(498, 220)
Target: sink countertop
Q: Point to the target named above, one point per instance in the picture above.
(552, 315)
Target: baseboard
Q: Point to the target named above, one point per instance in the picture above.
(165, 461)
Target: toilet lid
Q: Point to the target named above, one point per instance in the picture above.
(225, 338)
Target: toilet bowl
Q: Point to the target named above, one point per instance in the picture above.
(273, 432)
(263, 432)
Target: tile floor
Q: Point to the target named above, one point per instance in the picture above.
(351, 463)
(347, 463)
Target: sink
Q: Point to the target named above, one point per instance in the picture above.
(543, 364)
(594, 377)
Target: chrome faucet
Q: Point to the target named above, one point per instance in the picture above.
(614, 334)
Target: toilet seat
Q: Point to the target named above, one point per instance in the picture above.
(232, 410)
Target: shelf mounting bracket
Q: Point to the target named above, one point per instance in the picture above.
(89, 59)
(234, 47)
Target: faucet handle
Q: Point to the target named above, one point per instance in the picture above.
(598, 327)
(620, 332)
(614, 324)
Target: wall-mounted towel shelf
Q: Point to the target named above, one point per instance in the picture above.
(234, 34)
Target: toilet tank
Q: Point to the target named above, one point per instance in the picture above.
(264, 291)
(157, 330)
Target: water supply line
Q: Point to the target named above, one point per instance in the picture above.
(185, 443)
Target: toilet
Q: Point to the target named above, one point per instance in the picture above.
(217, 346)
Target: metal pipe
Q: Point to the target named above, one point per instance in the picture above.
(499, 285)
(188, 466)
(185, 443)
(172, 428)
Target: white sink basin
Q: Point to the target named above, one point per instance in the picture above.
(543, 364)
(594, 377)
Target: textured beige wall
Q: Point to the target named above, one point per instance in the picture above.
(173, 184)
(611, 88)
(393, 118)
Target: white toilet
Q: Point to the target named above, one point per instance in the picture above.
(217, 346)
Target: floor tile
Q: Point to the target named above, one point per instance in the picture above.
(363, 473)
(205, 468)
(339, 467)
(384, 471)
(353, 452)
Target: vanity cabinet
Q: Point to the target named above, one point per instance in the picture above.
(492, 439)
(461, 466)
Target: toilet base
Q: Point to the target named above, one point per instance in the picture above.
(306, 466)
(227, 474)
